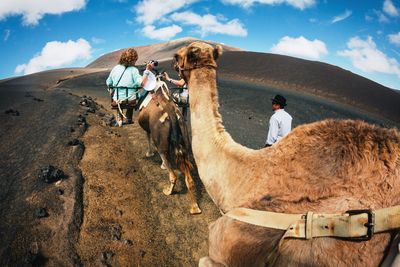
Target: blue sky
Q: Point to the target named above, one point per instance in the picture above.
(360, 36)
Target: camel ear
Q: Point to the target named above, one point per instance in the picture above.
(193, 53)
(217, 52)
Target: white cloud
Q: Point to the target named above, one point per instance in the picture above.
(394, 38)
(365, 56)
(382, 18)
(379, 15)
(342, 16)
(163, 34)
(96, 40)
(33, 10)
(210, 24)
(300, 4)
(368, 18)
(149, 11)
(7, 33)
(390, 9)
(57, 54)
(300, 47)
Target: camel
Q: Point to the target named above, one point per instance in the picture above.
(330, 166)
(164, 126)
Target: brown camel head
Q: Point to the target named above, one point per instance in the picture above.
(194, 56)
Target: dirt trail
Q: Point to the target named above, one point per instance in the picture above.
(127, 219)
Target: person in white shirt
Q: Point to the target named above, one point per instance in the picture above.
(280, 123)
(180, 98)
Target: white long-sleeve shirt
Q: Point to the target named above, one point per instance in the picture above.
(280, 125)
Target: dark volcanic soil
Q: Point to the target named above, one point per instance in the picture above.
(34, 139)
(112, 210)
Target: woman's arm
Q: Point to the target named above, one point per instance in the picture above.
(109, 80)
(146, 73)
(179, 83)
(136, 78)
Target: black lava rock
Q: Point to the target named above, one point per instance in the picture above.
(106, 255)
(81, 119)
(41, 213)
(51, 174)
(88, 102)
(12, 112)
(38, 99)
(75, 142)
(116, 233)
(35, 259)
(109, 120)
(128, 242)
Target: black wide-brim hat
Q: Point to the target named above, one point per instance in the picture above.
(278, 99)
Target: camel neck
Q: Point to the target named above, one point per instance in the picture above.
(213, 148)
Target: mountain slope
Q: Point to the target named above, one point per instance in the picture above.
(312, 77)
(161, 52)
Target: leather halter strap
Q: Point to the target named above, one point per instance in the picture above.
(198, 67)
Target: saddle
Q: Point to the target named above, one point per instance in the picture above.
(145, 99)
(130, 101)
(180, 97)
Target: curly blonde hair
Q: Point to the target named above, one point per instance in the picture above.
(128, 57)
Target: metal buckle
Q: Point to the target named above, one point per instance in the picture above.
(369, 225)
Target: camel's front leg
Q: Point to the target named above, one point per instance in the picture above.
(149, 152)
(172, 176)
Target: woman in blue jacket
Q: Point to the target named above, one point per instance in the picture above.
(125, 74)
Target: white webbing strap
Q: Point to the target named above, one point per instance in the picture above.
(353, 224)
(119, 102)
